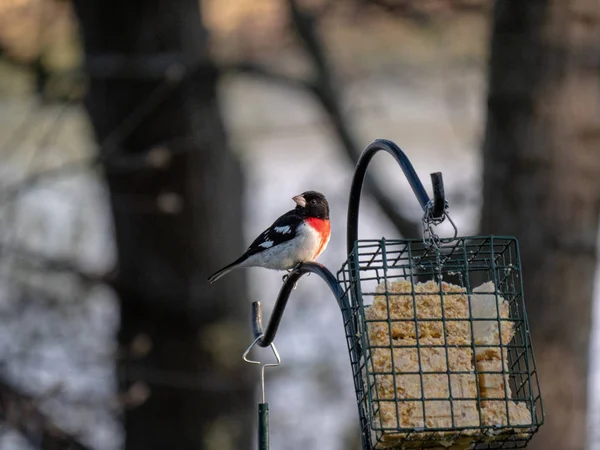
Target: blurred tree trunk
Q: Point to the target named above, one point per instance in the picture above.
(174, 187)
(542, 184)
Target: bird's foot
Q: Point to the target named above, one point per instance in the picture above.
(289, 271)
(286, 276)
(297, 266)
(284, 279)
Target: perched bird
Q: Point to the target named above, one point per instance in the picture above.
(299, 235)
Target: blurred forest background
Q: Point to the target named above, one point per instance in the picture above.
(143, 144)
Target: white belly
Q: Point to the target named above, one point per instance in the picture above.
(286, 255)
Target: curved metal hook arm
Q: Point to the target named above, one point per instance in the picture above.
(265, 338)
(437, 211)
(284, 295)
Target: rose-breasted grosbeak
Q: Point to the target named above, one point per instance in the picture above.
(299, 235)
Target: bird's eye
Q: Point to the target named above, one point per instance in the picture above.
(313, 202)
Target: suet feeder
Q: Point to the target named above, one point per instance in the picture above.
(436, 328)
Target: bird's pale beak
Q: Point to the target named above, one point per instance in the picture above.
(300, 201)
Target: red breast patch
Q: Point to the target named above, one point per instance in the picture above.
(323, 228)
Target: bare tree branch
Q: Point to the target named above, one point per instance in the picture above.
(19, 411)
(322, 86)
(109, 147)
(325, 91)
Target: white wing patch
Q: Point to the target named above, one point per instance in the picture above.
(283, 230)
(266, 244)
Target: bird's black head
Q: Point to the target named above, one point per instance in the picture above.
(312, 204)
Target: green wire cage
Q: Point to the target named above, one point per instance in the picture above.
(436, 328)
(446, 357)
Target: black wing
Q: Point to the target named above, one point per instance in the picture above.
(282, 230)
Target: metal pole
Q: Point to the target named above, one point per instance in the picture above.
(263, 426)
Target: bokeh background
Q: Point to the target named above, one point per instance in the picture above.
(143, 145)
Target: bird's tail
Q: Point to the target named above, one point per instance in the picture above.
(225, 270)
